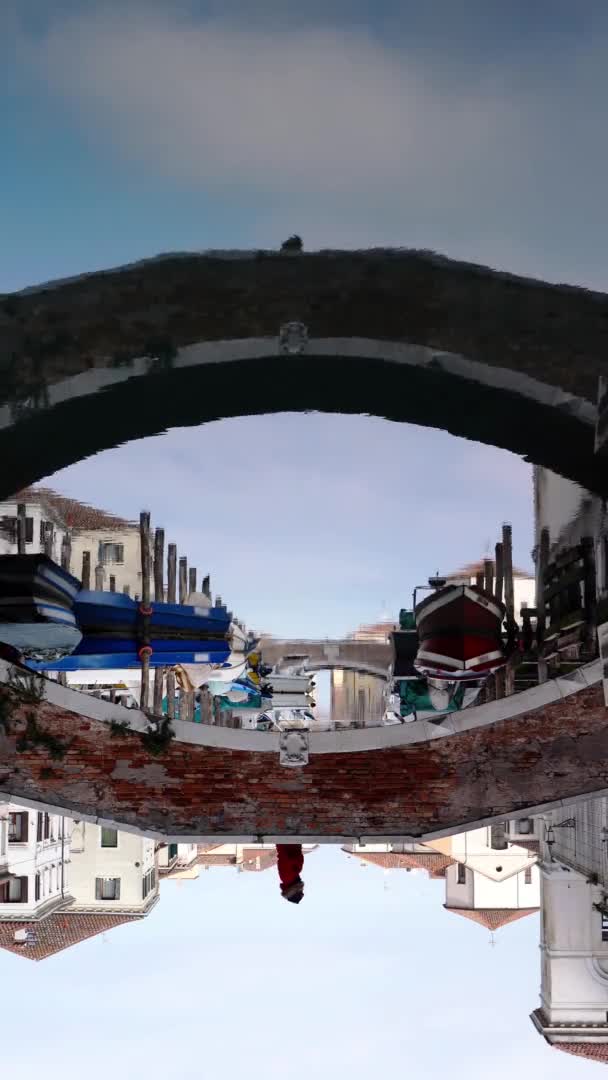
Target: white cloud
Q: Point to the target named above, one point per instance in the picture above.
(325, 110)
(347, 136)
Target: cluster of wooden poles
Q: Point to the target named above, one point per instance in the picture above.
(496, 578)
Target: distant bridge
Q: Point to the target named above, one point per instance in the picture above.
(371, 657)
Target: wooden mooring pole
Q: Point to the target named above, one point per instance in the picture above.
(159, 559)
(171, 589)
(48, 539)
(159, 595)
(589, 595)
(192, 579)
(488, 576)
(66, 552)
(541, 617)
(186, 697)
(507, 550)
(183, 579)
(86, 570)
(99, 578)
(144, 538)
(499, 576)
(21, 528)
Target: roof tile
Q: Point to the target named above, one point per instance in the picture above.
(493, 918)
(57, 932)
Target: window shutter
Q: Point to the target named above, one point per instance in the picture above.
(117, 888)
(25, 828)
(98, 884)
(24, 884)
(39, 827)
(37, 888)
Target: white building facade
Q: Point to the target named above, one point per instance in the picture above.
(573, 1012)
(35, 862)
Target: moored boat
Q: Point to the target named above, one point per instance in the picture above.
(459, 634)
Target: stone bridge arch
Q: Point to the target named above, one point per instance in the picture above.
(92, 362)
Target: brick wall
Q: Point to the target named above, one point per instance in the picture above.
(556, 752)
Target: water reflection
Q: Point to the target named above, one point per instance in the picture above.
(64, 881)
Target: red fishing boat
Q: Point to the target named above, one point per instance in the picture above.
(459, 634)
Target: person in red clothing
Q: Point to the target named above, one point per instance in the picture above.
(290, 860)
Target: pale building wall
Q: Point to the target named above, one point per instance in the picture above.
(479, 893)
(459, 894)
(127, 572)
(473, 849)
(130, 861)
(574, 959)
(38, 513)
(513, 892)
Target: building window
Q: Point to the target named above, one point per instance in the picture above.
(462, 874)
(9, 525)
(47, 826)
(528, 875)
(107, 888)
(111, 553)
(148, 882)
(18, 828)
(109, 837)
(14, 891)
(604, 927)
(524, 826)
(39, 827)
(37, 887)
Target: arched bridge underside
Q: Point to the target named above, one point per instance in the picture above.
(93, 362)
(544, 747)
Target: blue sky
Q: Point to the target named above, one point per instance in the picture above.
(130, 129)
(368, 974)
(473, 131)
(311, 525)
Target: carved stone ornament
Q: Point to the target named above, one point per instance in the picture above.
(293, 748)
(293, 338)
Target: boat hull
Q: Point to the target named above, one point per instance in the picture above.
(459, 634)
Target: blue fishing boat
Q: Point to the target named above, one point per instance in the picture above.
(105, 612)
(45, 615)
(37, 607)
(80, 660)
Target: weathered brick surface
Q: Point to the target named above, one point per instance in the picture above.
(555, 752)
(557, 333)
(553, 333)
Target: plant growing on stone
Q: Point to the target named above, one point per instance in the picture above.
(158, 736)
(26, 689)
(119, 727)
(35, 736)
